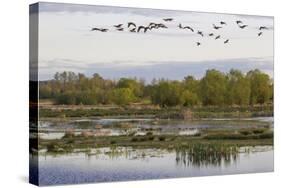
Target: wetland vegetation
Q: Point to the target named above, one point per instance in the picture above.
(220, 120)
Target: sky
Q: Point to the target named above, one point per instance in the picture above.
(67, 44)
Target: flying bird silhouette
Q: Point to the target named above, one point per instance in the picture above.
(216, 27)
(200, 33)
(95, 29)
(152, 27)
(217, 37)
(120, 29)
(162, 25)
(260, 33)
(262, 27)
(142, 27)
(187, 27)
(211, 34)
(119, 25)
(99, 29)
(133, 30)
(226, 41)
(131, 23)
(103, 30)
(168, 19)
(239, 22)
(151, 24)
(223, 23)
(243, 26)
(198, 43)
(180, 26)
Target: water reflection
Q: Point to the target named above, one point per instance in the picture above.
(196, 155)
(123, 164)
(204, 155)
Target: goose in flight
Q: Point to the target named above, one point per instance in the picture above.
(131, 23)
(262, 27)
(120, 29)
(260, 33)
(223, 23)
(211, 34)
(162, 25)
(118, 26)
(99, 29)
(142, 27)
(103, 30)
(133, 30)
(95, 29)
(151, 24)
(217, 37)
(168, 19)
(187, 27)
(200, 33)
(198, 43)
(243, 26)
(216, 27)
(239, 22)
(226, 41)
(180, 26)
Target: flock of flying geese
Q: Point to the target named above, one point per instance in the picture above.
(134, 28)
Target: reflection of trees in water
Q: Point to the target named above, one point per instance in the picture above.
(206, 154)
(191, 154)
(127, 153)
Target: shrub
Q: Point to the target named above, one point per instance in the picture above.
(113, 142)
(52, 147)
(70, 141)
(149, 133)
(224, 136)
(258, 131)
(245, 132)
(266, 135)
(142, 139)
(162, 138)
(134, 139)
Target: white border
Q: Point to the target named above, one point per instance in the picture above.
(14, 90)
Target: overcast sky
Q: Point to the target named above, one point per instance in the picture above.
(67, 44)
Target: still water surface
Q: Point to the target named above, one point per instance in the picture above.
(139, 164)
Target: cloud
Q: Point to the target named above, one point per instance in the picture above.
(66, 43)
(175, 70)
(100, 9)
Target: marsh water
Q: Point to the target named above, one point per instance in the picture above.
(124, 126)
(127, 163)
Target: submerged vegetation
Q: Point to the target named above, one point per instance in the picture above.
(206, 154)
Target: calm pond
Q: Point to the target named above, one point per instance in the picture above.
(137, 164)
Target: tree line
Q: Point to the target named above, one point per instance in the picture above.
(214, 88)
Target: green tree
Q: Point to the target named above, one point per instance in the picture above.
(191, 84)
(122, 96)
(189, 98)
(167, 93)
(238, 88)
(260, 87)
(213, 88)
(132, 84)
(86, 98)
